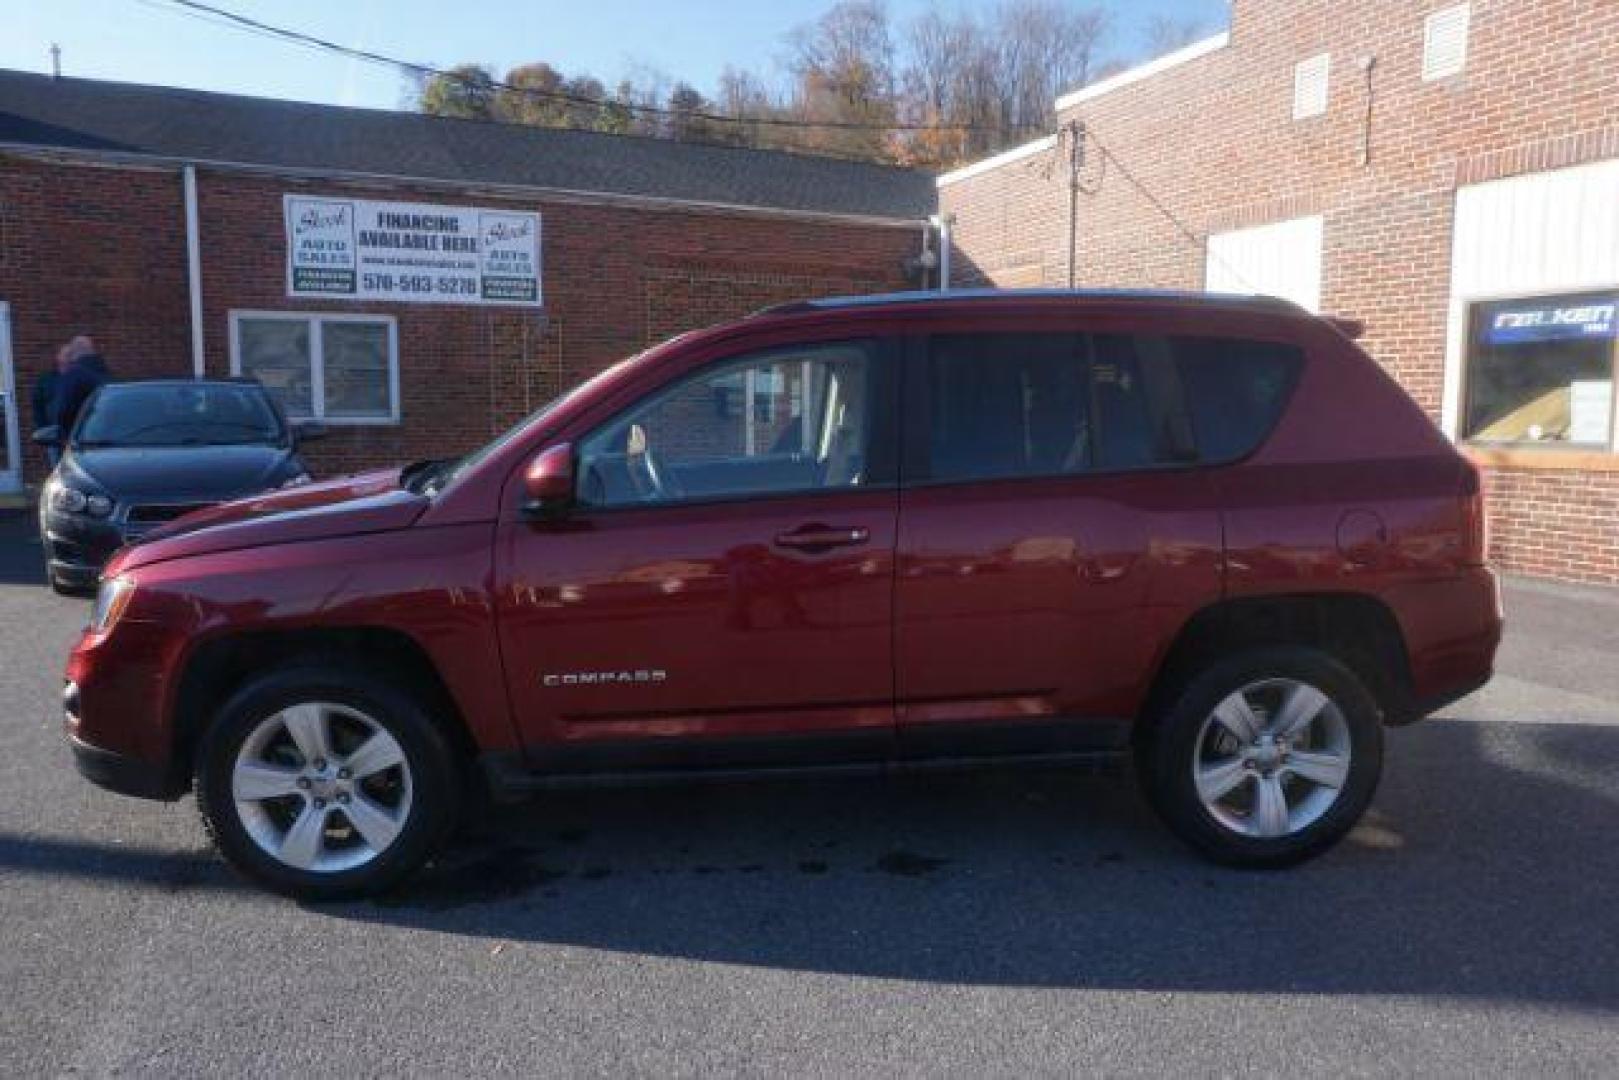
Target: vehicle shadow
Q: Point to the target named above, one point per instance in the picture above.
(22, 561)
(1472, 877)
(1486, 870)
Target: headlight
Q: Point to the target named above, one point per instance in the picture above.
(111, 600)
(296, 480)
(71, 500)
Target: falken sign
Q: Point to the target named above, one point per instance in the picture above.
(416, 253)
(1552, 323)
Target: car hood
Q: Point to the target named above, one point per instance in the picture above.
(182, 473)
(366, 503)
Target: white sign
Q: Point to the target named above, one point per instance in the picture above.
(418, 253)
(1590, 405)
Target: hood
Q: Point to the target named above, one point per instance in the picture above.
(183, 473)
(367, 503)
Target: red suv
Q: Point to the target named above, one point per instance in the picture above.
(911, 531)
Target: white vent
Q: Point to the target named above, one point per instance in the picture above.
(1310, 86)
(1444, 42)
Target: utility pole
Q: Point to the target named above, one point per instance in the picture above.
(1076, 161)
(56, 60)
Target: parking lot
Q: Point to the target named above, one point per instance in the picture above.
(1012, 923)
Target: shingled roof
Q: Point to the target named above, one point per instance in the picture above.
(89, 115)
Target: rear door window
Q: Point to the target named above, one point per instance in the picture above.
(1235, 391)
(1052, 404)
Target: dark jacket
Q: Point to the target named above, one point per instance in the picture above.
(44, 398)
(82, 378)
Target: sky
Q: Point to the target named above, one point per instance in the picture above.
(150, 41)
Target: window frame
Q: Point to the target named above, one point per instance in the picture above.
(1464, 374)
(317, 362)
(883, 432)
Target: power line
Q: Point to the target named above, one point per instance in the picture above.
(220, 16)
(1201, 242)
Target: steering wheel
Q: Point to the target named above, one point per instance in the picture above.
(642, 464)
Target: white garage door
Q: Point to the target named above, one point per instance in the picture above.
(1281, 259)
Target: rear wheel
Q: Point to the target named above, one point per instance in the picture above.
(1266, 758)
(325, 784)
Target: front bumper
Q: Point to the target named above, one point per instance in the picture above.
(76, 548)
(117, 709)
(125, 774)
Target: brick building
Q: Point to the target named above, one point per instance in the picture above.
(125, 209)
(1447, 172)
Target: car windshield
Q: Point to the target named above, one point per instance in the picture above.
(179, 414)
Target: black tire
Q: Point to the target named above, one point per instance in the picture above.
(433, 770)
(1167, 756)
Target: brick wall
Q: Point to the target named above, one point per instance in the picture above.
(103, 249)
(1214, 140)
(104, 253)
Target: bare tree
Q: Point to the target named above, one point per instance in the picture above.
(1047, 48)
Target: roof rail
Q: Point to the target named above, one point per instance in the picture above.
(833, 303)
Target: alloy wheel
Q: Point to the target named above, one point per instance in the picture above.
(1272, 758)
(322, 787)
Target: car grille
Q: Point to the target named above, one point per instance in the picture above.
(148, 514)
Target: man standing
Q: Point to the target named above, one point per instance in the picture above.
(44, 397)
(85, 373)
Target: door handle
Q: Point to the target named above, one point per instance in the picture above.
(814, 538)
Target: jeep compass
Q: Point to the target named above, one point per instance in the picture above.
(1208, 535)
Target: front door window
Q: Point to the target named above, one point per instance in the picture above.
(794, 420)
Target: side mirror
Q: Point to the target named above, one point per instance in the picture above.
(548, 480)
(50, 435)
(305, 432)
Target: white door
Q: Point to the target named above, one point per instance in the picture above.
(1281, 259)
(10, 437)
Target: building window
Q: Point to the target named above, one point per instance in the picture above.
(1444, 42)
(1310, 86)
(339, 369)
(1540, 371)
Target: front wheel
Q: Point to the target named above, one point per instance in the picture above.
(324, 784)
(1265, 758)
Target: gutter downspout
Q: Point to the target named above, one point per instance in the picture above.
(942, 222)
(194, 269)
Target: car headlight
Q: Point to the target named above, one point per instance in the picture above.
(70, 500)
(112, 598)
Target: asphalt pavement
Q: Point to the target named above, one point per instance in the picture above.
(995, 924)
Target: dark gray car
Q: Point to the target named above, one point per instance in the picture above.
(144, 453)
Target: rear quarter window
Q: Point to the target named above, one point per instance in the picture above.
(1235, 391)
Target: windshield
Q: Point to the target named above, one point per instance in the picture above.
(179, 414)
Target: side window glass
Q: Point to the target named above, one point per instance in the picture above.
(1005, 405)
(1137, 400)
(1236, 391)
(788, 420)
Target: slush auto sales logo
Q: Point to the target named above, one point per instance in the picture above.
(315, 218)
(500, 232)
(604, 678)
